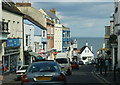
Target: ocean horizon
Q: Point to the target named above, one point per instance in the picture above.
(96, 42)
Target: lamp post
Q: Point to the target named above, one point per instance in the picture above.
(114, 50)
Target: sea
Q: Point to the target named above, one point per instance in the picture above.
(96, 42)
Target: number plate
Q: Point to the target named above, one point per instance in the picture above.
(43, 78)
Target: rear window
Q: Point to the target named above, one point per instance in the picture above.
(45, 67)
(24, 68)
(62, 60)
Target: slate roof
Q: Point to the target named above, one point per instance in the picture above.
(50, 14)
(34, 21)
(83, 48)
(10, 6)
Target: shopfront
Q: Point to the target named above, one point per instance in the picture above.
(11, 54)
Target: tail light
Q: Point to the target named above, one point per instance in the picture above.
(25, 79)
(61, 78)
(68, 67)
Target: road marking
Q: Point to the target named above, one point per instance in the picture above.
(100, 78)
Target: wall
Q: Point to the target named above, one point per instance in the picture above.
(0, 29)
(15, 24)
(29, 30)
(58, 37)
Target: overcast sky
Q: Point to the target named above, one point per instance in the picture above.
(86, 18)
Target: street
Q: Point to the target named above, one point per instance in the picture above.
(84, 75)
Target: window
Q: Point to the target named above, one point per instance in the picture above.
(84, 58)
(26, 40)
(68, 34)
(44, 46)
(44, 32)
(63, 34)
(64, 44)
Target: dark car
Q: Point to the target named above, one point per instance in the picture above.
(74, 65)
(81, 63)
(44, 72)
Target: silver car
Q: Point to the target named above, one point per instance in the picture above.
(44, 72)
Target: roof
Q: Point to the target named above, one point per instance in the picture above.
(34, 21)
(83, 48)
(50, 14)
(10, 6)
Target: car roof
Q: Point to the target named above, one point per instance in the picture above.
(44, 62)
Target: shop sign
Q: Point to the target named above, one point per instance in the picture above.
(13, 42)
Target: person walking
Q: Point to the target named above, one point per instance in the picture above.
(19, 63)
(106, 66)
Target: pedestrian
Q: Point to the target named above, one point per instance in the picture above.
(101, 65)
(110, 63)
(19, 63)
(106, 66)
(97, 64)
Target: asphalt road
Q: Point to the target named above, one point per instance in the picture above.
(83, 75)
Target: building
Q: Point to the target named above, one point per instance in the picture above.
(39, 22)
(65, 38)
(50, 21)
(12, 48)
(107, 37)
(75, 55)
(86, 54)
(58, 37)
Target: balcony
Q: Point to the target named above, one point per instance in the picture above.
(4, 31)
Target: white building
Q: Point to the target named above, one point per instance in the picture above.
(29, 36)
(86, 53)
(58, 37)
(12, 49)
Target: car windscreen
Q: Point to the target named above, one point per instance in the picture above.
(44, 67)
(62, 60)
(24, 68)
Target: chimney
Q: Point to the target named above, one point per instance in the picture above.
(53, 10)
(86, 43)
(23, 4)
(91, 48)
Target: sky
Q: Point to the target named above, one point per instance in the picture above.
(85, 18)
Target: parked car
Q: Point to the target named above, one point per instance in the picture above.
(81, 63)
(89, 62)
(44, 72)
(74, 65)
(64, 62)
(93, 62)
(22, 71)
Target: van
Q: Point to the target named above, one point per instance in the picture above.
(64, 62)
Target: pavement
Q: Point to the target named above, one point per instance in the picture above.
(9, 79)
(109, 79)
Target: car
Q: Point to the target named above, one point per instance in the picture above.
(64, 62)
(44, 72)
(74, 65)
(93, 62)
(89, 62)
(22, 71)
(81, 63)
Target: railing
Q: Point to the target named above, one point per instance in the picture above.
(4, 26)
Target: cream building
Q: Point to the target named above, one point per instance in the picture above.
(12, 49)
(58, 37)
